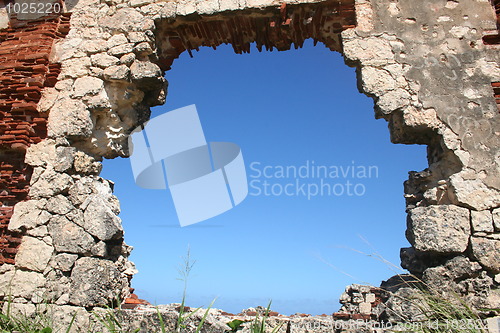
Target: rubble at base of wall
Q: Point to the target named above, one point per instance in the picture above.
(146, 318)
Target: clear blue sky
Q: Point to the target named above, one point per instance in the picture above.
(282, 109)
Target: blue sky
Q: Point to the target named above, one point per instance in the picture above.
(283, 109)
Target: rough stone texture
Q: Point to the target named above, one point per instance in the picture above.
(482, 221)
(441, 229)
(69, 237)
(93, 282)
(487, 252)
(33, 254)
(431, 72)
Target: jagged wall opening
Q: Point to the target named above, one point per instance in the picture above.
(110, 77)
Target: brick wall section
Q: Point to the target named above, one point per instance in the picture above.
(278, 28)
(494, 39)
(25, 70)
(496, 93)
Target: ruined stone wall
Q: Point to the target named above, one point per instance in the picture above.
(431, 77)
(24, 71)
(426, 65)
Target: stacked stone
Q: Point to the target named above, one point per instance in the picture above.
(361, 302)
(452, 205)
(72, 235)
(72, 252)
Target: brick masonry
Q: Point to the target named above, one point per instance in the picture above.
(25, 69)
(279, 28)
(494, 40)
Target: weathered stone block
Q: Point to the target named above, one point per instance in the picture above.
(117, 73)
(64, 261)
(99, 220)
(146, 75)
(70, 117)
(482, 221)
(442, 229)
(87, 85)
(50, 183)
(33, 254)
(59, 205)
(18, 283)
(46, 153)
(104, 60)
(93, 282)
(69, 237)
(487, 252)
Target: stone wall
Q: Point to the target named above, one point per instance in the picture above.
(430, 72)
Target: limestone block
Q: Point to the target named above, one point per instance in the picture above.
(143, 49)
(99, 102)
(62, 317)
(115, 40)
(365, 308)
(64, 261)
(46, 153)
(393, 100)
(104, 60)
(482, 221)
(139, 3)
(86, 165)
(33, 254)
(94, 282)
(69, 237)
(28, 215)
(120, 50)
(75, 67)
(19, 310)
(377, 81)
(87, 85)
(59, 205)
(441, 229)
(127, 59)
(487, 252)
(100, 221)
(49, 96)
(39, 232)
(18, 283)
(474, 193)
(83, 187)
(125, 20)
(94, 46)
(117, 73)
(207, 7)
(369, 51)
(69, 117)
(138, 37)
(50, 183)
(370, 298)
(146, 75)
(99, 250)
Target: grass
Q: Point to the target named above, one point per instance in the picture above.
(442, 314)
(38, 322)
(438, 314)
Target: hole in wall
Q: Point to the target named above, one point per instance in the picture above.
(283, 109)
